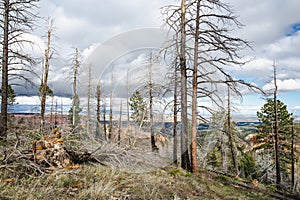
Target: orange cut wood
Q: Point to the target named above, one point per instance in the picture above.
(8, 180)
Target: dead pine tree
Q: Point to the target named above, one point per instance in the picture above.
(74, 116)
(120, 124)
(111, 107)
(175, 120)
(210, 47)
(153, 145)
(127, 99)
(185, 161)
(44, 86)
(104, 117)
(195, 168)
(98, 112)
(17, 19)
(88, 123)
(276, 128)
(230, 134)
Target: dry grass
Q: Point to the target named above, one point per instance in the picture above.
(115, 178)
(95, 181)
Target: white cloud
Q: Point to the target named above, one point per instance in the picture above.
(284, 85)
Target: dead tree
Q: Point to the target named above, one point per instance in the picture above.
(89, 99)
(276, 128)
(185, 161)
(44, 86)
(110, 107)
(213, 48)
(195, 94)
(98, 96)
(175, 120)
(230, 135)
(153, 145)
(17, 19)
(74, 117)
(120, 124)
(127, 99)
(104, 117)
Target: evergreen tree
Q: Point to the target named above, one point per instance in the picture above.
(265, 138)
(139, 108)
(77, 111)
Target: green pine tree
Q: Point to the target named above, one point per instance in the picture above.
(139, 108)
(265, 138)
(78, 109)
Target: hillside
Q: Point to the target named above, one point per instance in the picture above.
(94, 181)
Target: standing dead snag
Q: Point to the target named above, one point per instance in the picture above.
(44, 86)
(230, 135)
(194, 95)
(17, 19)
(110, 107)
(98, 112)
(153, 145)
(185, 162)
(276, 128)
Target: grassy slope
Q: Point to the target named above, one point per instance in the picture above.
(100, 182)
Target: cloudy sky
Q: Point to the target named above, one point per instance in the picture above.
(271, 25)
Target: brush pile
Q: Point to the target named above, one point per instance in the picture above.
(50, 151)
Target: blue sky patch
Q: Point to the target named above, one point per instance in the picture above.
(294, 28)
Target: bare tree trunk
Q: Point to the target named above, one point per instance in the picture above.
(175, 140)
(76, 66)
(104, 116)
(120, 125)
(61, 111)
(195, 168)
(98, 112)
(110, 107)
(89, 100)
(223, 153)
(277, 158)
(185, 162)
(45, 77)
(51, 112)
(153, 145)
(230, 136)
(127, 99)
(3, 124)
(55, 114)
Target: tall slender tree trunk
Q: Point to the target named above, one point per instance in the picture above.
(153, 145)
(120, 125)
(45, 77)
(98, 112)
(185, 161)
(104, 117)
(127, 99)
(55, 114)
(3, 122)
(89, 99)
(277, 158)
(195, 168)
(76, 66)
(175, 120)
(230, 135)
(223, 153)
(110, 108)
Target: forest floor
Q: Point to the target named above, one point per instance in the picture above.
(95, 181)
(113, 171)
